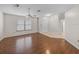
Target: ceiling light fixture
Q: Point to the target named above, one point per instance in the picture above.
(32, 16)
(17, 5)
(29, 12)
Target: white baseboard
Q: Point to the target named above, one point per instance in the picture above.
(47, 34)
(73, 44)
(14, 34)
(1, 38)
(52, 35)
(17, 34)
(59, 36)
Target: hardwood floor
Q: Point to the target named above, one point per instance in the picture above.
(35, 43)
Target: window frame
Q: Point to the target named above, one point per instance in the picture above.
(24, 26)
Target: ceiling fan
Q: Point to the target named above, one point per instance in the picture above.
(29, 11)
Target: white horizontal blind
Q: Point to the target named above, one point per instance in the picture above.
(24, 25)
(20, 25)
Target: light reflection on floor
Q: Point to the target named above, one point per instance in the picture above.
(47, 51)
(23, 44)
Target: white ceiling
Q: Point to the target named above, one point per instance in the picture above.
(45, 8)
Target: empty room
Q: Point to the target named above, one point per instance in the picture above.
(39, 29)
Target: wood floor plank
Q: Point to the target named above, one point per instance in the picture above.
(36, 43)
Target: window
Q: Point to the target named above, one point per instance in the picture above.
(20, 25)
(24, 25)
(28, 25)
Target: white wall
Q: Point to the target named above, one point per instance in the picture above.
(43, 24)
(10, 25)
(51, 26)
(72, 26)
(54, 25)
(1, 26)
